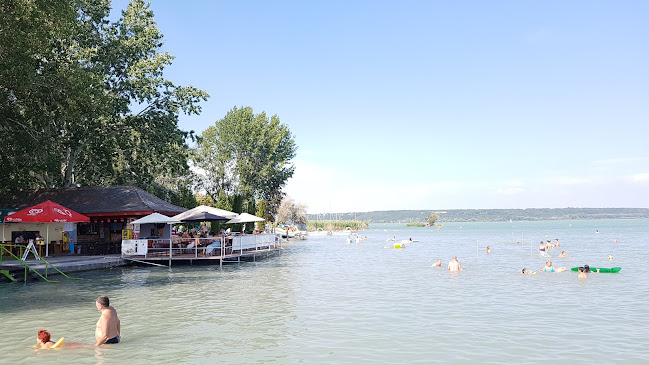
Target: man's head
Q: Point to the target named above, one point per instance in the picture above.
(102, 302)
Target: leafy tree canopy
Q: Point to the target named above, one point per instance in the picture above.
(246, 154)
(84, 100)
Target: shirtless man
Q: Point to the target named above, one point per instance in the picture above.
(454, 265)
(437, 263)
(108, 326)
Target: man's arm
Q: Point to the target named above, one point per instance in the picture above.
(102, 325)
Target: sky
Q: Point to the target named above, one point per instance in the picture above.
(431, 104)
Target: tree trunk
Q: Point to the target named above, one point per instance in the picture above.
(68, 167)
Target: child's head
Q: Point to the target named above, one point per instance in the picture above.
(43, 336)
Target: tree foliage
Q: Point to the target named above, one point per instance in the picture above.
(432, 218)
(246, 154)
(85, 101)
(290, 211)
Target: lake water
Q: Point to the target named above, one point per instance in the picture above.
(322, 301)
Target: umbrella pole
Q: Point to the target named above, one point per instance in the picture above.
(47, 243)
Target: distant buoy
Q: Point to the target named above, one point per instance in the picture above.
(610, 257)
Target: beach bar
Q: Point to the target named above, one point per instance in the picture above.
(110, 211)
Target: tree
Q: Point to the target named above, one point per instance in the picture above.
(291, 212)
(246, 154)
(432, 218)
(68, 93)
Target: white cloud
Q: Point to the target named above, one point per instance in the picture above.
(573, 181)
(642, 178)
(330, 189)
(619, 161)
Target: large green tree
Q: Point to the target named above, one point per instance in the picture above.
(246, 154)
(84, 100)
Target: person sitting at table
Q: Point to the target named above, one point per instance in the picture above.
(212, 247)
(20, 239)
(39, 237)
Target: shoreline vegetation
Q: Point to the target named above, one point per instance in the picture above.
(491, 215)
(336, 225)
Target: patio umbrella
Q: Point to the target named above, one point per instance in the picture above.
(46, 212)
(205, 209)
(155, 218)
(3, 213)
(245, 218)
(203, 217)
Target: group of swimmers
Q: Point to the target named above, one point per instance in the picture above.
(358, 239)
(545, 247)
(453, 265)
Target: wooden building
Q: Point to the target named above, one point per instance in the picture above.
(110, 209)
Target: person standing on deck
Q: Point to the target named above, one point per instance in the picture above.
(108, 326)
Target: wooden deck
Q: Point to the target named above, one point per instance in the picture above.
(236, 256)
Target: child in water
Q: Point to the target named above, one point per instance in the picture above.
(43, 340)
(582, 274)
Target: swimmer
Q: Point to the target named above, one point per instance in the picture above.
(548, 267)
(587, 269)
(525, 271)
(43, 340)
(563, 254)
(437, 263)
(541, 249)
(582, 274)
(454, 265)
(488, 249)
(108, 325)
(556, 242)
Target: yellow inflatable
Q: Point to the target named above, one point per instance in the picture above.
(58, 343)
(399, 245)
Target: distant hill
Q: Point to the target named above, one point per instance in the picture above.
(489, 215)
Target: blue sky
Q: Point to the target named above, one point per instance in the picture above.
(432, 104)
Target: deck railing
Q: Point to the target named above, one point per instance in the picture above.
(195, 248)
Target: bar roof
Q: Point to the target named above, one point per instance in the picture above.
(99, 201)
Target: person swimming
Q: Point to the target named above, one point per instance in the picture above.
(541, 249)
(43, 340)
(548, 267)
(563, 254)
(488, 249)
(582, 273)
(437, 263)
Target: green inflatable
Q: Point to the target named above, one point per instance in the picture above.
(601, 269)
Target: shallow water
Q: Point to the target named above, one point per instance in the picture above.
(322, 301)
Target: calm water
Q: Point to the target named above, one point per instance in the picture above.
(322, 301)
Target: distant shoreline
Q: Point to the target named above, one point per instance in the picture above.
(490, 215)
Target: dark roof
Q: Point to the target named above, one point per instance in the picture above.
(99, 201)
